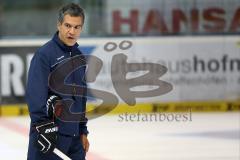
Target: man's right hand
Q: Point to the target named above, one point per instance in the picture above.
(47, 136)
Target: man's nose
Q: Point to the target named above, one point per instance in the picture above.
(72, 30)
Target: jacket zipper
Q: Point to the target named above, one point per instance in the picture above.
(74, 88)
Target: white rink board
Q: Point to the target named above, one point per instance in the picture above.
(207, 66)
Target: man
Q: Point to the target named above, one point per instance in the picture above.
(47, 131)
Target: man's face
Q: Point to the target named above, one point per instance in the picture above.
(70, 29)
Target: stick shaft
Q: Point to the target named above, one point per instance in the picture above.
(61, 154)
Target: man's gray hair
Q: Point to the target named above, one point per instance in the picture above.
(71, 9)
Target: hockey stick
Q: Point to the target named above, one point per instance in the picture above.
(61, 154)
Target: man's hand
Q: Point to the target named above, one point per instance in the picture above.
(47, 136)
(85, 142)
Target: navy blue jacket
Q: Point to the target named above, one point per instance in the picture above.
(44, 61)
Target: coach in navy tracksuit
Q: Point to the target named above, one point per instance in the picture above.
(46, 133)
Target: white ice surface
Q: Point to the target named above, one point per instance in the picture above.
(209, 136)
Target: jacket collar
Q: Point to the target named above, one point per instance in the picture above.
(64, 47)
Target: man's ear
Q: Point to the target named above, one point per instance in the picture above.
(58, 25)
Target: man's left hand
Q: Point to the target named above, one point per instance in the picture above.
(85, 142)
